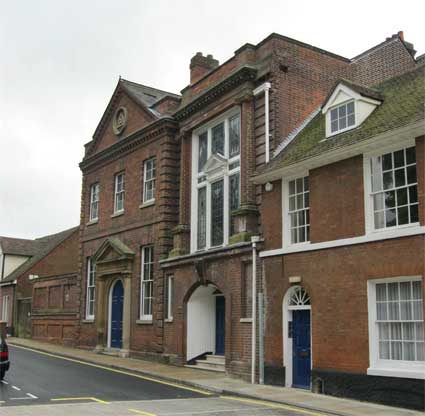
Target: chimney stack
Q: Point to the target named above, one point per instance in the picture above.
(200, 66)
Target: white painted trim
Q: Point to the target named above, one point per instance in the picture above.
(224, 175)
(367, 174)
(265, 88)
(143, 317)
(388, 368)
(286, 229)
(376, 236)
(90, 317)
(287, 342)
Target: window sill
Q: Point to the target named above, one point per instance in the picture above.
(88, 321)
(245, 320)
(418, 373)
(92, 222)
(144, 322)
(147, 204)
(367, 238)
(169, 320)
(117, 214)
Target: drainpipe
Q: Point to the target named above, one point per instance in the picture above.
(265, 88)
(254, 241)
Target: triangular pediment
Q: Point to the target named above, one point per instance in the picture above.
(112, 249)
(126, 113)
(215, 165)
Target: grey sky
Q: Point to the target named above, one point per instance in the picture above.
(60, 61)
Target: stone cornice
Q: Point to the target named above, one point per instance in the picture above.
(153, 130)
(243, 74)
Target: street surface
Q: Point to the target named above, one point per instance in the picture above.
(44, 384)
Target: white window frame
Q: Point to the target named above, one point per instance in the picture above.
(90, 270)
(152, 180)
(286, 225)
(368, 198)
(144, 281)
(169, 298)
(389, 368)
(328, 117)
(94, 201)
(119, 192)
(5, 309)
(223, 175)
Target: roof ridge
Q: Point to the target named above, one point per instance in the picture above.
(123, 80)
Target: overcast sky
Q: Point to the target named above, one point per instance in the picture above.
(60, 61)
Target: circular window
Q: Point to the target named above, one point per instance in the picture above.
(120, 120)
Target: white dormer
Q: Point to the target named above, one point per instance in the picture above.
(347, 108)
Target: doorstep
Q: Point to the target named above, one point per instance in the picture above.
(219, 383)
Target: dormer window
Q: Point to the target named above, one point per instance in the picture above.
(342, 117)
(215, 181)
(348, 106)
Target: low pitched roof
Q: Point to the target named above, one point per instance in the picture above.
(403, 104)
(41, 247)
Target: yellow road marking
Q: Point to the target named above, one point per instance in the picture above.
(65, 399)
(274, 405)
(155, 380)
(141, 412)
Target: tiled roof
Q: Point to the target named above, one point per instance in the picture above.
(145, 95)
(41, 247)
(403, 104)
(18, 246)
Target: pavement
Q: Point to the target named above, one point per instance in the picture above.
(216, 389)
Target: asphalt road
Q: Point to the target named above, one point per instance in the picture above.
(41, 384)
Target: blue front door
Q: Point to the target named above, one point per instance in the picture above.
(220, 325)
(301, 361)
(116, 314)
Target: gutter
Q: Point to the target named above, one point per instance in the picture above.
(410, 131)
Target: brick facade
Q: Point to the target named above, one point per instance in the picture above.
(301, 76)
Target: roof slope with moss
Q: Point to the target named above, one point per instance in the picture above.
(403, 104)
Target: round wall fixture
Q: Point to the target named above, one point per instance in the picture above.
(119, 122)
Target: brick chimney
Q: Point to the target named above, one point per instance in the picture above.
(200, 66)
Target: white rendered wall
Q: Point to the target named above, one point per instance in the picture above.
(12, 262)
(201, 322)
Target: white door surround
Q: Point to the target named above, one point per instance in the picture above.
(296, 298)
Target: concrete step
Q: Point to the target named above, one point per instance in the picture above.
(114, 352)
(206, 367)
(217, 359)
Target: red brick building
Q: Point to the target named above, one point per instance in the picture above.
(344, 214)
(39, 298)
(169, 205)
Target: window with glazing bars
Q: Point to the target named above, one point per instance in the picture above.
(119, 192)
(94, 202)
(395, 189)
(91, 288)
(149, 177)
(299, 210)
(400, 321)
(146, 290)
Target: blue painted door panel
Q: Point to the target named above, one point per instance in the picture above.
(116, 315)
(220, 325)
(301, 349)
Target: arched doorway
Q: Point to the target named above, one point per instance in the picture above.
(206, 328)
(116, 301)
(297, 337)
